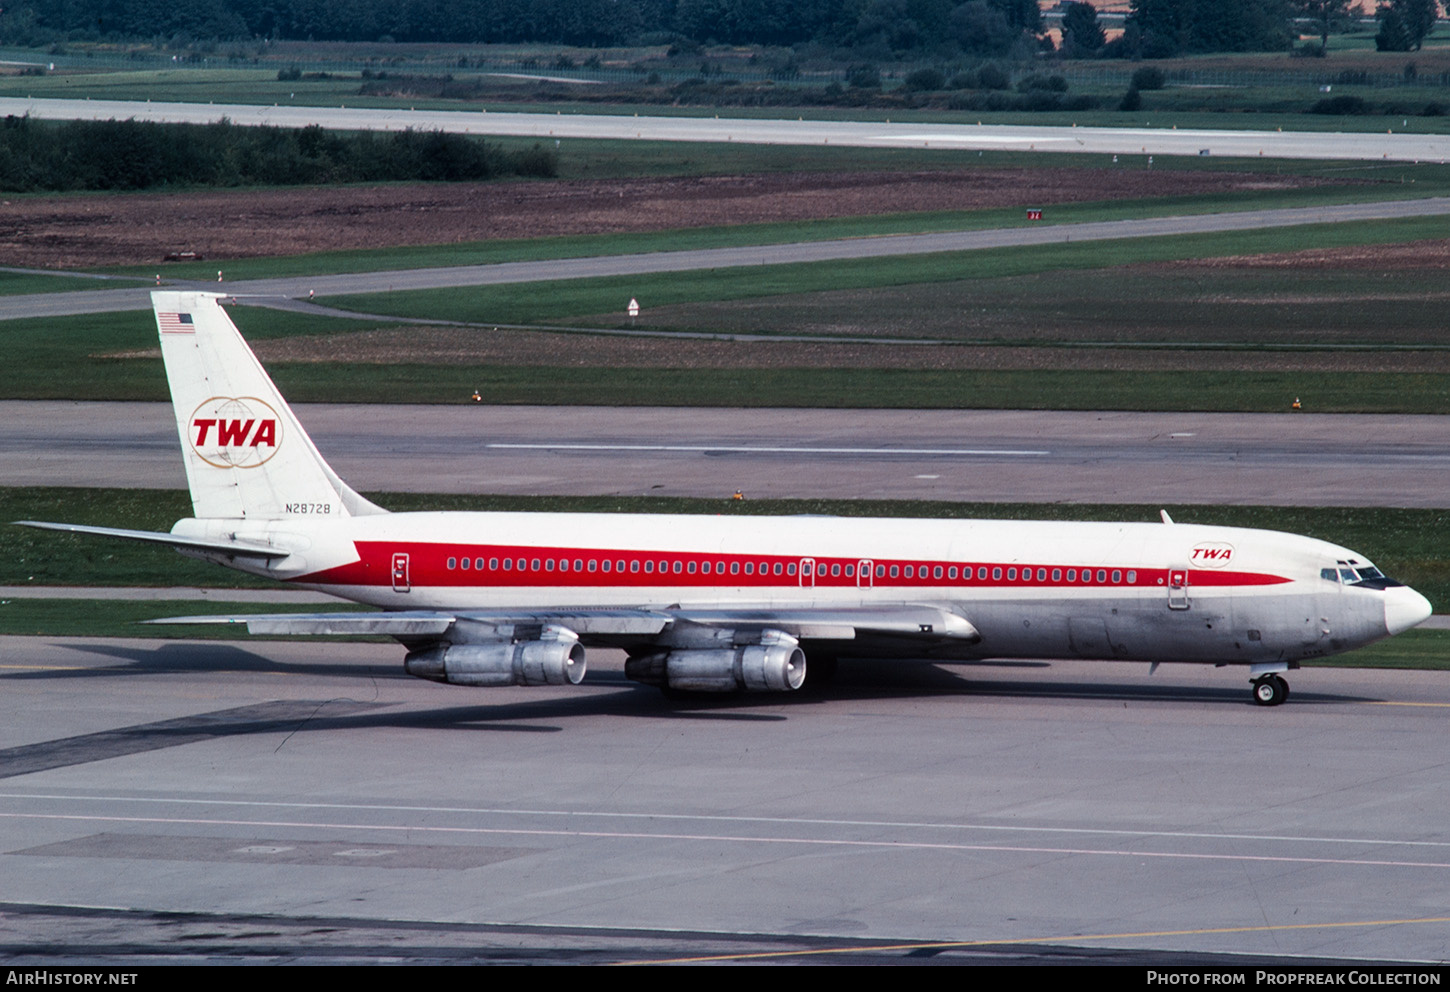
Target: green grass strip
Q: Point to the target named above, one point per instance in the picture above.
(556, 300)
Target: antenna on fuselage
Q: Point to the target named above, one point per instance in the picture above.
(1166, 518)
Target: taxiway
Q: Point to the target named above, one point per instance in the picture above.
(286, 801)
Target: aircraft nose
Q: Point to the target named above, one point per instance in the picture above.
(1404, 608)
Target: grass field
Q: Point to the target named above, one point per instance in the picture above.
(1377, 183)
(1054, 299)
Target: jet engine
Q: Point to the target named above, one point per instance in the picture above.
(776, 664)
(555, 658)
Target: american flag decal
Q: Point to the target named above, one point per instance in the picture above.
(175, 323)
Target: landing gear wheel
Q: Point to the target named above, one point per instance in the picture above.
(1270, 690)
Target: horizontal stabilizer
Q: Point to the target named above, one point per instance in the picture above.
(242, 549)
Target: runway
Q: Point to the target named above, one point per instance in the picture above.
(1167, 459)
(967, 136)
(400, 280)
(285, 801)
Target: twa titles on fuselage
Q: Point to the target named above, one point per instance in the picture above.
(727, 603)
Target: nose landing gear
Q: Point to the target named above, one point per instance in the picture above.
(1270, 690)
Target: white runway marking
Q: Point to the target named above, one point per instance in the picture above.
(761, 450)
(414, 828)
(715, 818)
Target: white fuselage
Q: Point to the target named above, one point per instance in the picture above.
(1156, 592)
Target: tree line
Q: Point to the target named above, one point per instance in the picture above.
(871, 28)
(135, 155)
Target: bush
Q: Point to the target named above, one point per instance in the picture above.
(1036, 81)
(863, 77)
(1132, 100)
(1148, 77)
(991, 77)
(1341, 106)
(924, 79)
(289, 74)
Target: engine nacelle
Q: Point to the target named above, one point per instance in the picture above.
(555, 658)
(776, 664)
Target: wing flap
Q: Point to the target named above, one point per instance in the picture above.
(934, 622)
(401, 624)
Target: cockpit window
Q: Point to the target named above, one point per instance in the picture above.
(1357, 573)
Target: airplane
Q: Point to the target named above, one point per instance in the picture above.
(724, 604)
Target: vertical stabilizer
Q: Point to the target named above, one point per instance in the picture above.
(246, 455)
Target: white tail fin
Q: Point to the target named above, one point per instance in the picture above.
(246, 455)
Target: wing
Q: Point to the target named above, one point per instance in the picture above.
(618, 627)
(699, 649)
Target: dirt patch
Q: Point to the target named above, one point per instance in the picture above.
(1434, 254)
(83, 231)
(483, 347)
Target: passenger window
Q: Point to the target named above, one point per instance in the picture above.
(880, 571)
(452, 563)
(677, 568)
(1057, 575)
(835, 570)
(1117, 576)
(982, 572)
(777, 568)
(467, 564)
(493, 564)
(790, 569)
(734, 568)
(936, 572)
(1072, 575)
(1011, 575)
(535, 565)
(563, 564)
(634, 565)
(997, 573)
(750, 568)
(893, 571)
(1132, 576)
(952, 572)
(691, 568)
(1102, 575)
(909, 571)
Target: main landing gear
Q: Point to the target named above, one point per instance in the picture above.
(1270, 690)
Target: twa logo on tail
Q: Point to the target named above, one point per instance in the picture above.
(1211, 554)
(235, 432)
